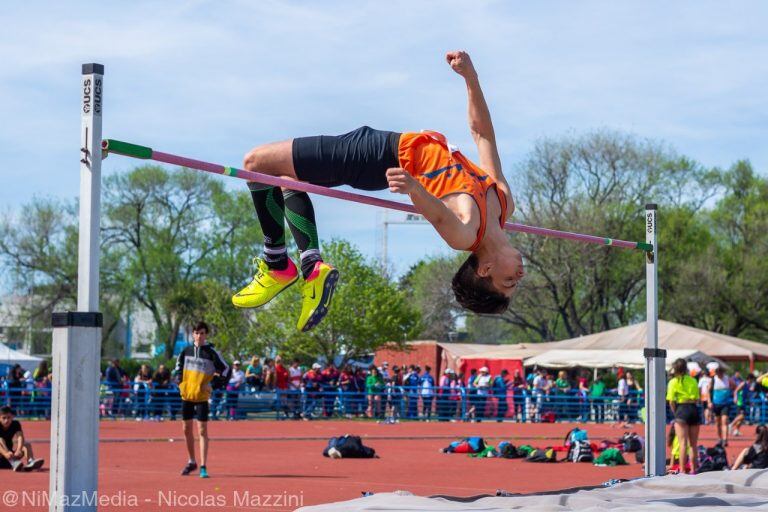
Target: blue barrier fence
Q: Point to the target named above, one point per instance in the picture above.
(450, 404)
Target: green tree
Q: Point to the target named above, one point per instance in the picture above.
(367, 312)
(38, 251)
(177, 228)
(597, 183)
(722, 286)
(234, 331)
(428, 286)
(237, 236)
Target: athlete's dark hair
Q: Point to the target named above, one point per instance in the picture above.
(201, 326)
(6, 410)
(477, 293)
(679, 367)
(762, 437)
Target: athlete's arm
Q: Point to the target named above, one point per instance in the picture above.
(219, 364)
(179, 370)
(448, 226)
(4, 450)
(480, 124)
(673, 406)
(738, 388)
(18, 441)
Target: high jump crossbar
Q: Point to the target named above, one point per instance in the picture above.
(147, 153)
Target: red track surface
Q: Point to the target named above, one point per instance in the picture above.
(137, 461)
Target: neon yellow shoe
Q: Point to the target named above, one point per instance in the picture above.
(316, 295)
(266, 284)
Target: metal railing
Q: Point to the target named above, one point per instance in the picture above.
(392, 403)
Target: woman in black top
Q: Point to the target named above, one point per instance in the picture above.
(756, 456)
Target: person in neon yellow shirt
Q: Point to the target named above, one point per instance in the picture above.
(674, 450)
(763, 380)
(683, 398)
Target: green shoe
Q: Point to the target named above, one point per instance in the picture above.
(316, 295)
(266, 284)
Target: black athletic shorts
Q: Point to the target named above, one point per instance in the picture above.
(359, 158)
(688, 414)
(194, 410)
(720, 409)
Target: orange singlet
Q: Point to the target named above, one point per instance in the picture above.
(443, 170)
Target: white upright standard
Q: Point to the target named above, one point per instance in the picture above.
(655, 368)
(77, 334)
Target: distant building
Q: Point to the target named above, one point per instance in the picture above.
(133, 336)
(22, 336)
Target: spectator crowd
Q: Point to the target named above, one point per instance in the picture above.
(28, 393)
(290, 390)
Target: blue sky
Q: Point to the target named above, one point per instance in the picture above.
(211, 79)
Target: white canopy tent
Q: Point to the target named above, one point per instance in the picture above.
(11, 357)
(672, 336)
(630, 359)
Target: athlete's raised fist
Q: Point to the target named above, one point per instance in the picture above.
(461, 63)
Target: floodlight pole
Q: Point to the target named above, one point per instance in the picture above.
(77, 334)
(655, 368)
(410, 218)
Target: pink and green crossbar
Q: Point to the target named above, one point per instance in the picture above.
(146, 153)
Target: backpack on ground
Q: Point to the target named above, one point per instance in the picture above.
(348, 447)
(719, 457)
(575, 434)
(705, 461)
(712, 459)
(487, 452)
(508, 451)
(524, 450)
(466, 445)
(611, 457)
(580, 451)
(542, 455)
(632, 442)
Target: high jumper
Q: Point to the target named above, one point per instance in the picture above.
(466, 203)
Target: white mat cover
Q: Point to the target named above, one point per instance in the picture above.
(737, 490)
